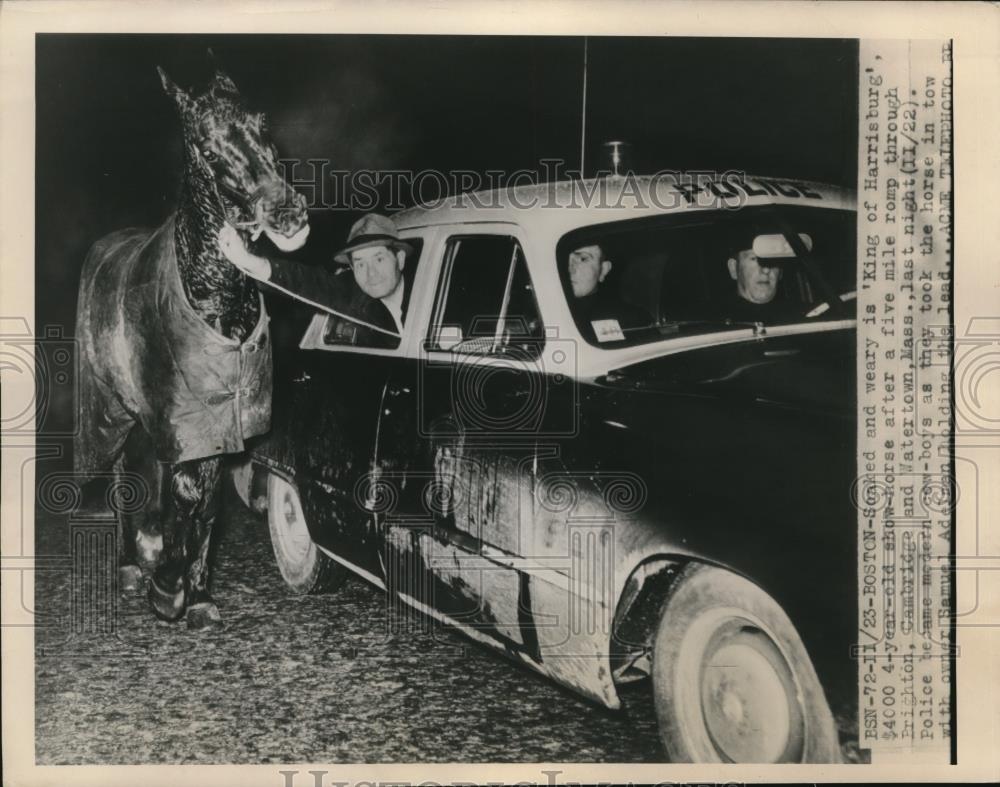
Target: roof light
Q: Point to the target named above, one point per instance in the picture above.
(617, 156)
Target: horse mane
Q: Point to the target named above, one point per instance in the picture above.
(224, 297)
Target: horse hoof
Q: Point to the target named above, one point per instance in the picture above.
(129, 579)
(149, 549)
(203, 616)
(166, 605)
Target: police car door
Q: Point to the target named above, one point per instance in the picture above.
(462, 434)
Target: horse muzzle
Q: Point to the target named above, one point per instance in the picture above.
(284, 218)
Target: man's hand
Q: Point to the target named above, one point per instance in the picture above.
(231, 246)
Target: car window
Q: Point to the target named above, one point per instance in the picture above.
(370, 316)
(486, 303)
(653, 278)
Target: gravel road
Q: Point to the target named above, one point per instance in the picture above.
(293, 679)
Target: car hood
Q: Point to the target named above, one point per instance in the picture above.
(814, 370)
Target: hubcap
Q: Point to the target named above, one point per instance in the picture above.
(748, 697)
(293, 535)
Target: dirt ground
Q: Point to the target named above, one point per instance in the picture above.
(293, 679)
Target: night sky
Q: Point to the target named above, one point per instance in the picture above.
(108, 141)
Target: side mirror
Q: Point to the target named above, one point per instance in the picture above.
(775, 246)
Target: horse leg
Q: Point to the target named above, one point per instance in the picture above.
(98, 499)
(139, 530)
(180, 581)
(202, 612)
(166, 585)
(129, 573)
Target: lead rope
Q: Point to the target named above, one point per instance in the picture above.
(328, 310)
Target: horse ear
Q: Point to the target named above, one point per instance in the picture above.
(172, 90)
(221, 81)
(224, 83)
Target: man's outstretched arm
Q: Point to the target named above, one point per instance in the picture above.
(308, 283)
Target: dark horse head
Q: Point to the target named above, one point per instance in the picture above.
(229, 150)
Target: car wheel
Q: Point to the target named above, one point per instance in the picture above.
(303, 566)
(732, 681)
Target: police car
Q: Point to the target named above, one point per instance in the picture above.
(604, 500)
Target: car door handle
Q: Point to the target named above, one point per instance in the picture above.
(302, 378)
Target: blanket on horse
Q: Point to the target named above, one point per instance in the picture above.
(146, 357)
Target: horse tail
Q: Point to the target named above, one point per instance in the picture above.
(102, 421)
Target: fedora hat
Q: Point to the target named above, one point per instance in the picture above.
(372, 229)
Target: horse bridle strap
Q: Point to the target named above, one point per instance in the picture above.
(246, 201)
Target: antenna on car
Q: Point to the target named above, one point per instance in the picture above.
(583, 110)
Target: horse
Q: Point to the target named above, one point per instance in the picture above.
(175, 359)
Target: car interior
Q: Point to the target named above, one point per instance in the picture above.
(677, 271)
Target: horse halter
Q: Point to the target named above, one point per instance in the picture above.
(247, 203)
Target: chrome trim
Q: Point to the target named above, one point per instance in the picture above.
(361, 572)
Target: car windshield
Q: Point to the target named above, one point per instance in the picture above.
(642, 280)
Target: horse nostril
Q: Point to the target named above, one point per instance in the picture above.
(298, 202)
(283, 208)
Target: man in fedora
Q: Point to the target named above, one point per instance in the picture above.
(375, 298)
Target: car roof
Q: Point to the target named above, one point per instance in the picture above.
(563, 205)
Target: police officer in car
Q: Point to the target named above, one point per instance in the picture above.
(756, 296)
(375, 297)
(593, 302)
